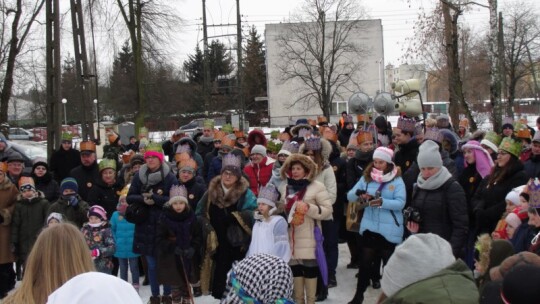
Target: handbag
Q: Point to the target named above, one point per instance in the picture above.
(137, 213)
(355, 212)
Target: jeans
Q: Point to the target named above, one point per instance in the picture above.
(133, 267)
(330, 229)
(152, 277)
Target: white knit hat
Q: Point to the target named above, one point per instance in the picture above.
(419, 257)
(383, 153)
(490, 145)
(513, 220)
(513, 196)
(429, 155)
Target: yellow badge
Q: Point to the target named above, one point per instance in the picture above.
(391, 187)
(191, 196)
(471, 179)
(160, 192)
(89, 185)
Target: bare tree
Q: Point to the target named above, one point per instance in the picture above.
(23, 15)
(317, 50)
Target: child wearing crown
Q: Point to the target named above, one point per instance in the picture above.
(179, 239)
(270, 232)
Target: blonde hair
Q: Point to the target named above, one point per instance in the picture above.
(59, 253)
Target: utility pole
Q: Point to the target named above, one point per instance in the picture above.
(206, 61)
(502, 71)
(239, 68)
(54, 88)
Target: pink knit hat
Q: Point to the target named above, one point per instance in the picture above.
(98, 211)
(383, 153)
(154, 154)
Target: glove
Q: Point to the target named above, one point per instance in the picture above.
(73, 201)
(95, 253)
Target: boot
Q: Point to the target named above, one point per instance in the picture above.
(166, 299)
(358, 299)
(136, 286)
(322, 291)
(197, 291)
(154, 300)
(298, 290)
(311, 290)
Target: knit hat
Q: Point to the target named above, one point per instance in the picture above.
(260, 278)
(508, 122)
(69, 183)
(259, 149)
(232, 163)
(40, 163)
(513, 197)
(419, 257)
(383, 153)
(178, 193)
(492, 140)
(513, 220)
(268, 195)
(26, 183)
(98, 211)
(511, 146)
(289, 147)
(520, 285)
(107, 164)
(15, 157)
(429, 155)
(56, 216)
(136, 159)
(154, 150)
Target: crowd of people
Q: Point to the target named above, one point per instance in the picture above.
(429, 214)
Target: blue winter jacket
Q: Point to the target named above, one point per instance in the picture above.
(386, 220)
(123, 233)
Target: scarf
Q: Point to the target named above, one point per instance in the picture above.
(153, 178)
(295, 191)
(206, 139)
(435, 181)
(378, 176)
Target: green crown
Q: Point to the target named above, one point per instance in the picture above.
(493, 137)
(156, 147)
(107, 164)
(67, 136)
(511, 146)
(227, 128)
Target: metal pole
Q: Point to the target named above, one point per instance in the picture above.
(206, 62)
(65, 115)
(239, 71)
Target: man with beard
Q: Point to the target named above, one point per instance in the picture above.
(87, 173)
(408, 146)
(64, 159)
(532, 166)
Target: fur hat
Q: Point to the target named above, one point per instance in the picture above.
(520, 285)
(249, 280)
(429, 155)
(443, 121)
(98, 211)
(451, 138)
(69, 183)
(418, 257)
(523, 258)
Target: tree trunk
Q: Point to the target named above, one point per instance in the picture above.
(494, 87)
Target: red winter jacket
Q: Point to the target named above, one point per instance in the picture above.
(259, 174)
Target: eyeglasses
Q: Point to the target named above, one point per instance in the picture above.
(227, 173)
(503, 153)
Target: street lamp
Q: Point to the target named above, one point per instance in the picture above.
(64, 101)
(97, 119)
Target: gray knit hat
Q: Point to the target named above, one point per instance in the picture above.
(258, 149)
(429, 155)
(419, 257)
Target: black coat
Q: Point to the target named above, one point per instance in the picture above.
(48, 186)
(144, 241)
(204, 148)
(168, 150)
(208, 157)
(86, 178)
(105, 196)
(196, 189)
(356, 167)
(406, 156)
(532, 166)
(344, 136)
(489, 201)
(339, 166)
(444, 213)
(62, 162)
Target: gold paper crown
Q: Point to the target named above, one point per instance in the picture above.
(322, 119)
(218, 135)
(363, 136)
(180, 157)
(124, 190)
(312, 122)
(3, 167)
(227, 141)
(190, 162)
(88, 145)
(524, 133)
(126, 156)
(239, 134)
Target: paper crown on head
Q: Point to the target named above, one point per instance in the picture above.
(493, 137)
(289, 147)
(434, 134)
(231, 160)
(112, 136)
(268, 195)
(363, 136)
(227, 128)
(533, 188)
(523, 133)
(304, 133)
(155, 147)
(322, 120)
(274, 134)
(3, 167)
(239, 134)
(228, 142)
(143, 132)
(124, 191)
(218, 135)
(329, 134)
(178, 192)
(179, 157)
(183, 149)
(208, 123)
(126, 156)
(26, 182)
(406, 124)
(511, 146)
(313, 144)
(187, 163)
(361, 118)
(88, 145)
(301, 128)
(67, 136)
(274, 146)
(107, 164)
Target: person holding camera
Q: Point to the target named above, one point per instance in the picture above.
(438, 201)
(382, 191)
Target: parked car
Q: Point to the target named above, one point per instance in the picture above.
(20, 134)
(30, 151)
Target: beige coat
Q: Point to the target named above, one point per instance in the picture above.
(301, 236)
(8, 196)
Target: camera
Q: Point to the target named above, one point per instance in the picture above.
(412, 214)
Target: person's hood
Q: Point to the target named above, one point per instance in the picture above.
(256, 133)
(95, 287)
(326, 149)
(304, 160)
(183, 140)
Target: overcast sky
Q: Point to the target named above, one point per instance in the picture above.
(397, 17)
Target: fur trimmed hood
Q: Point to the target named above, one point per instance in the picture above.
(251, 138)
(217, 196)
(326, 149)
(304, 160)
